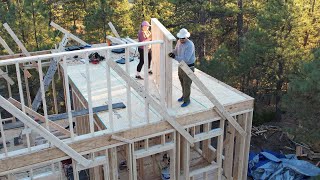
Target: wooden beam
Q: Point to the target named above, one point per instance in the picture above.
(6, 77)
(21, 46)
(43, 132)
(113, 29)
(101, 140)
(153, 150)
(121, 139)
(212, 98)
(204, 169)
(84, 112)
(67, 32)
(5, 74)
(208, 135)
(5, 57)
(39, 117)
(160, 109)
(6, 47)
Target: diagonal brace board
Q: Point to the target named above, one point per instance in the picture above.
(220, 109)
(113, 29)
(160, 109)
(43, 132)
(67, 32)
(21, 46)
(46, 82)
(7, 48)
(39, 116)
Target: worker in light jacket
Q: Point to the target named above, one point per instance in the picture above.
(184, 51)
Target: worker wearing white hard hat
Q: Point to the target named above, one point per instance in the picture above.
(184, 51)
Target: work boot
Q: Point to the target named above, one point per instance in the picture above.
(185, 104)
(180, 99)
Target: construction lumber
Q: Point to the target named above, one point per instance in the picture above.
(21, 46)
(12, 56)
(6, 77)
(121, 139)
(203, 170)
(6, 47)
(113, 29)
(103, 140)
(56, 117)
(68, 33)
(38, 116)
(160, 109)
(5, 74)
(133, 50)
(153, 150)
(207, 135)
(212, 98)
(43, 132)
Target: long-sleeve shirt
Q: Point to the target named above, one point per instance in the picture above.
(142, 38)
(185, 52)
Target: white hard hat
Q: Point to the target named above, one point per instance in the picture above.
(183, 33)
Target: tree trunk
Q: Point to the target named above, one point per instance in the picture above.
(279, 85)
(34, 26)
(202, 36)
(21, 27)
(239, 26)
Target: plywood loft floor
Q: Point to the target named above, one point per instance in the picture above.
(77, 74)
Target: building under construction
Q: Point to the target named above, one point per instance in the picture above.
(115, 126)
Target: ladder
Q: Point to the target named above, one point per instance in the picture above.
(50, 74)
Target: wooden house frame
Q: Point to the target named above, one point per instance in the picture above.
(216, 127)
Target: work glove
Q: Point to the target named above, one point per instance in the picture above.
(172, 55)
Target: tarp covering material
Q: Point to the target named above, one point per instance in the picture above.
(273, 166)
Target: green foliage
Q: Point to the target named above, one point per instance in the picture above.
(303, 100)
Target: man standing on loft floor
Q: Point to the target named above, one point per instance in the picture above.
(184, 51)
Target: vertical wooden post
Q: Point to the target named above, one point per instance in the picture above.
(109, 96)
(249, 117)
(186, 159)
(146, 81)
(178, 155)
(67, 93)
(129, 161)
(54, 94)
(91, 123)
(206, 152)
(106, 167)
(129, 111)
(173, 157)
(220, 150)
(75, 171)
(3, 137)
(229, 149)
(27, 88)
(134, 164)
(168, 61)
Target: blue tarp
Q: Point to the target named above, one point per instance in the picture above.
(273, 166)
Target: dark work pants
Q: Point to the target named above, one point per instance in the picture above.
(139, 67)
(185, 84)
